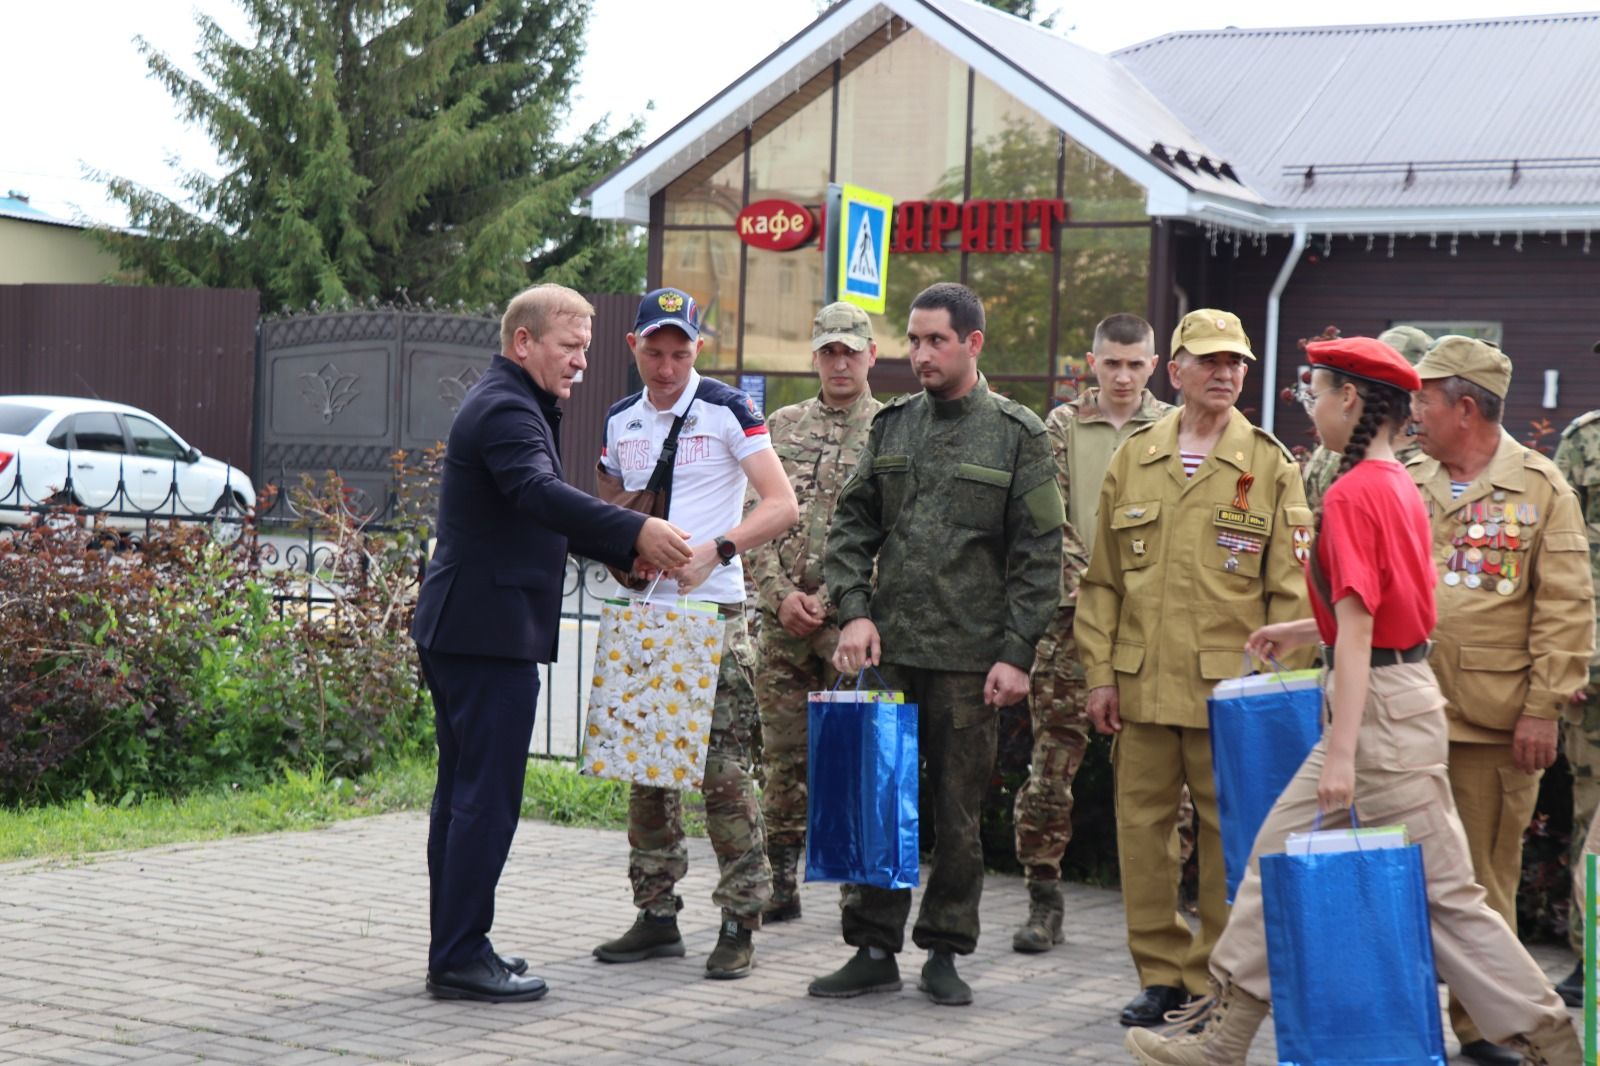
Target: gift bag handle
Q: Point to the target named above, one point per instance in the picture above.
(1316, 825)
(1247, 667)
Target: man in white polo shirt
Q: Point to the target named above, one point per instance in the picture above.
(722, 447)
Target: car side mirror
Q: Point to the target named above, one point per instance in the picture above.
(193, 456)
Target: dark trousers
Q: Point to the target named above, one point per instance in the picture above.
(956, 734)
(483, 717)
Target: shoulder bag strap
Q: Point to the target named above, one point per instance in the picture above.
(661, 476)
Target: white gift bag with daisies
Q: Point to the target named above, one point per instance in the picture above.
(654, 687)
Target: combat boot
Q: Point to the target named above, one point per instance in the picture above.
(859, 976)
(1215, 1031)
(941, 983)
(1556, 1045)
(651, 937)
(785, 903)
(1042, 930)
(734, 954)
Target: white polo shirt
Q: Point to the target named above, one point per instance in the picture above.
(722, 427)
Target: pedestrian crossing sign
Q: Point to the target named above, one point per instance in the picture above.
(864, 247)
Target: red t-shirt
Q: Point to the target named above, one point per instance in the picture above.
(1376, 544)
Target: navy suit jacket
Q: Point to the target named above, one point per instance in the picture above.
(493, 586)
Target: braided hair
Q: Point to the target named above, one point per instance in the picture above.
(1381, 405)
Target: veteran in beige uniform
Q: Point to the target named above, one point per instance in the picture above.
(1516, 606)
(818, 441)
(1199, 540)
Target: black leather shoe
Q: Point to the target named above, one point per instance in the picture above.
(1489, 1054)
(1150, 1006)
(1571, 987)
(514, 964)
(486, 981)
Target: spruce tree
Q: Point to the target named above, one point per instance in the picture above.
(380, 149)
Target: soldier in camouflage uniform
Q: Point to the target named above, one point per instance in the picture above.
(723, 448)
(1320, 469)
(818, 441)
(1083, 435)
(1578, 459)
(954, 508)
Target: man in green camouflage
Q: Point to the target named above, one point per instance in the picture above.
(1578, 459)
(818, 441)
(1320, 469)
(1083, 434)
(954, 508)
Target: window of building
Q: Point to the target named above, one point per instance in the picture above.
(705, 264)
(791, 145)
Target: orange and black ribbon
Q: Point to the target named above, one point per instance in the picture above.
(1241, 498)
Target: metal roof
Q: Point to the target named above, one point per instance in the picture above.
(1093, 85)
(1493, 112)
(1447, 126)
(13, 207)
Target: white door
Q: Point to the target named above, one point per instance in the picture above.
(99, 459)
(160, 460)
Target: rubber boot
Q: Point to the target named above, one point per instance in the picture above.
(1555, 1046)
(1042, 930)
(651, 937)
(785, 903)
(1215, 1031)
(734, 954)
(859, 976)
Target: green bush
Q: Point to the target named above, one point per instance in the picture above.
(176, 663)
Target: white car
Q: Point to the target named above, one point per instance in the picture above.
(104, 446)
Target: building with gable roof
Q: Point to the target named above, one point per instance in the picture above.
(1445, 175)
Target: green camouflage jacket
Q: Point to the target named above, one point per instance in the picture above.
(955, 501)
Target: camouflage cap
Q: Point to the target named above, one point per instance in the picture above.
(1208, 330)
(1473, 360)
(842, 322)
(1409, 341)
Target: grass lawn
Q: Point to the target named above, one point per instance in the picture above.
(554, 792)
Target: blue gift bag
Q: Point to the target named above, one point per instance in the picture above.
(1262, 729)
(1351, 958)
(861, 813)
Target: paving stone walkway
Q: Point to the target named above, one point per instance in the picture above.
(308, 948)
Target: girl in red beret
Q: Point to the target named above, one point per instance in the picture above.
(1372, 577)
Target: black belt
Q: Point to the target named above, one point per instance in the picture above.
(1386, 656)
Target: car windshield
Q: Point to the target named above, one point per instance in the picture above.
(19, 418)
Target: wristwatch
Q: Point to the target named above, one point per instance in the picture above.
(725, 550)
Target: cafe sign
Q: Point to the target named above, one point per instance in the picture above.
(775, 225)
(981, 226)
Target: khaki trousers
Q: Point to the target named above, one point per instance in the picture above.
(1401, 779)
(1152, 763)
(1495, 801)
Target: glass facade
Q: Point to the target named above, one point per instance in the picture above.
(901, 115)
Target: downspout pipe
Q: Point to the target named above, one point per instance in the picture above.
(1269, 368)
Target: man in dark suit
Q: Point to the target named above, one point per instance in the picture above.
(489, 612)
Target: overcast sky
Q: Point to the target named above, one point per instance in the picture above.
(77, 96)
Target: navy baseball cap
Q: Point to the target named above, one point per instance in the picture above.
(666, 307)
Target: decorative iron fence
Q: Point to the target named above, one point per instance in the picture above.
(312, 555)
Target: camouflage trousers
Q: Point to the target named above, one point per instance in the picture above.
(788, 667)
(1580, 737)
(658, 859)
(1058, 699)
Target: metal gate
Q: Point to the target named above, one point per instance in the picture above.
(344, 391)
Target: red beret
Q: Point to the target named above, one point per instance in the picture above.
(1363, 357)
